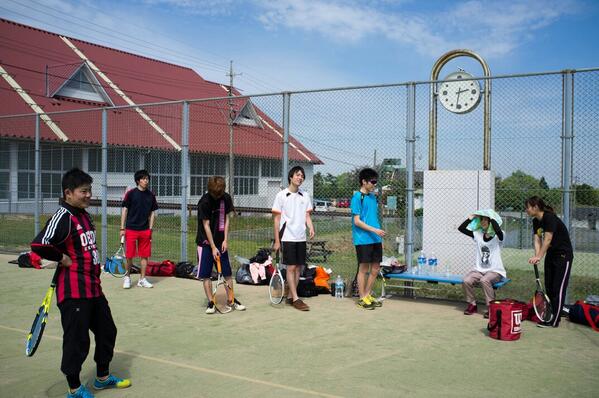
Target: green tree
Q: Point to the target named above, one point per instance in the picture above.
(543, 184)
(587, 195)
(511, 192)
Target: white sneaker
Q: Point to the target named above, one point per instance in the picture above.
(237, 305)
(211, 308)
(144, 283)
(126, 282)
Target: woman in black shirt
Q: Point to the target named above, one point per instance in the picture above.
(551, 239)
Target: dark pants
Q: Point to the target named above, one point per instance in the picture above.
(557, 275)
(78, 317)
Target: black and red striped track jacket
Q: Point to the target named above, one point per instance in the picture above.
(71, 231)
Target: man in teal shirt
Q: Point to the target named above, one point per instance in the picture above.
(367, 237)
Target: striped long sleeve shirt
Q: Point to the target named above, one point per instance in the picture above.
(71, 231)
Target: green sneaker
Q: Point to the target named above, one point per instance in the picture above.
(374, 301)
(364, 303)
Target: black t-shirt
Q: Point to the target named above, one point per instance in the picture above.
(214, 210)
(139, 205)
(560, 243)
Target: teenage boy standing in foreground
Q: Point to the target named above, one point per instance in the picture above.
(367, 237)
(69, 238)
(291, 211)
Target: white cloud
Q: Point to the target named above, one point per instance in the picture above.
(494, 27)
(197, 7)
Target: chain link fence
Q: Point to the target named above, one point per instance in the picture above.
(333, 133)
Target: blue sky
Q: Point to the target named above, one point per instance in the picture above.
(301, 44)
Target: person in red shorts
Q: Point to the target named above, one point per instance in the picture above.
(137, 221)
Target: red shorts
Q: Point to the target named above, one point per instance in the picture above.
(138, 243)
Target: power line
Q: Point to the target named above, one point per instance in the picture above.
(150, 45)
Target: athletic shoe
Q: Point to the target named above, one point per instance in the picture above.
(300, 305)
(237, 305)
(144, 283)
(374, 301)
(126, 282)
(471, 309)
(366, 304)
(111, 382)
(211, 309)
(81, 392)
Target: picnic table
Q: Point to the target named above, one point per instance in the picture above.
(316, 249)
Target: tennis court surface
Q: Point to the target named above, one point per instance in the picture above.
(170, 348)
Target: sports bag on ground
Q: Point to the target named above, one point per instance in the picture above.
(505, 319)
(184, 269)
(243, 275)
(165, 268)
(585, 314)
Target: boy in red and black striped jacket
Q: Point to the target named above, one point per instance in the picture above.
(69, 238)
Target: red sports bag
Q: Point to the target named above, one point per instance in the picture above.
(165, 268)
(505, 319)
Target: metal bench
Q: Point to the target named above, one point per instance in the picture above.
(428, 278)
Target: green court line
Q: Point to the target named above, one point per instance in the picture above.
(193, 367)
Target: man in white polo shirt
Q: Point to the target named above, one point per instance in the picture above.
(291, 212)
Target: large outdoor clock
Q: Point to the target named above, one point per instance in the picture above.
(458, 95)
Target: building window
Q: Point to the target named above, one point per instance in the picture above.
(165, 173)
(120, 160)
(203, 167)
(4, 169)
(94, 160)
(26, 174)
(271, 168)
(246, 176)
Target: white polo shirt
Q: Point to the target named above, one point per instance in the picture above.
(293, 208)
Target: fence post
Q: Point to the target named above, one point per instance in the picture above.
(104, 185)
(38, 176)
(184, 177)
(410, 159)
(567, 147)
(285, 160)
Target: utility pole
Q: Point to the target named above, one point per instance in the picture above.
(231, 120)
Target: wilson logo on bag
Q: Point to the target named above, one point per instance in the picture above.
(505, 320)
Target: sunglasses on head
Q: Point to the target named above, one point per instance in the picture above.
(373, 182)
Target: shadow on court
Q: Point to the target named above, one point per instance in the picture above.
(169, 347)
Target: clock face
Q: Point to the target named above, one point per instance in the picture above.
(458, 95)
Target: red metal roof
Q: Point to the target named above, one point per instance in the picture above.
(26, 52)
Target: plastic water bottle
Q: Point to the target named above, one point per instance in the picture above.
(339, 287)
(432, 263)
(447, 273)
(421, 262)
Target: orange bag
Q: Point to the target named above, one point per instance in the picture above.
(322, 279)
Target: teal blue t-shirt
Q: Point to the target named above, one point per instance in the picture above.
(366, 207)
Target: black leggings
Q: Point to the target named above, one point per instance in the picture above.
(557, 275)
(78, 317)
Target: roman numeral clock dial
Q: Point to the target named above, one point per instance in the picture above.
(458, 95)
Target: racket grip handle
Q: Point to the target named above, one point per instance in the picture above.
(122, 239)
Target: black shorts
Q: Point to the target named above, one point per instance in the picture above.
(371, 253)
(294, 253)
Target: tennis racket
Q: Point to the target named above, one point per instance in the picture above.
(221, 288)
(115, 265)
(39, 323)
(540, 301)
(276, 287)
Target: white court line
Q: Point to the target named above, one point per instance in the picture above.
(193, 367)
